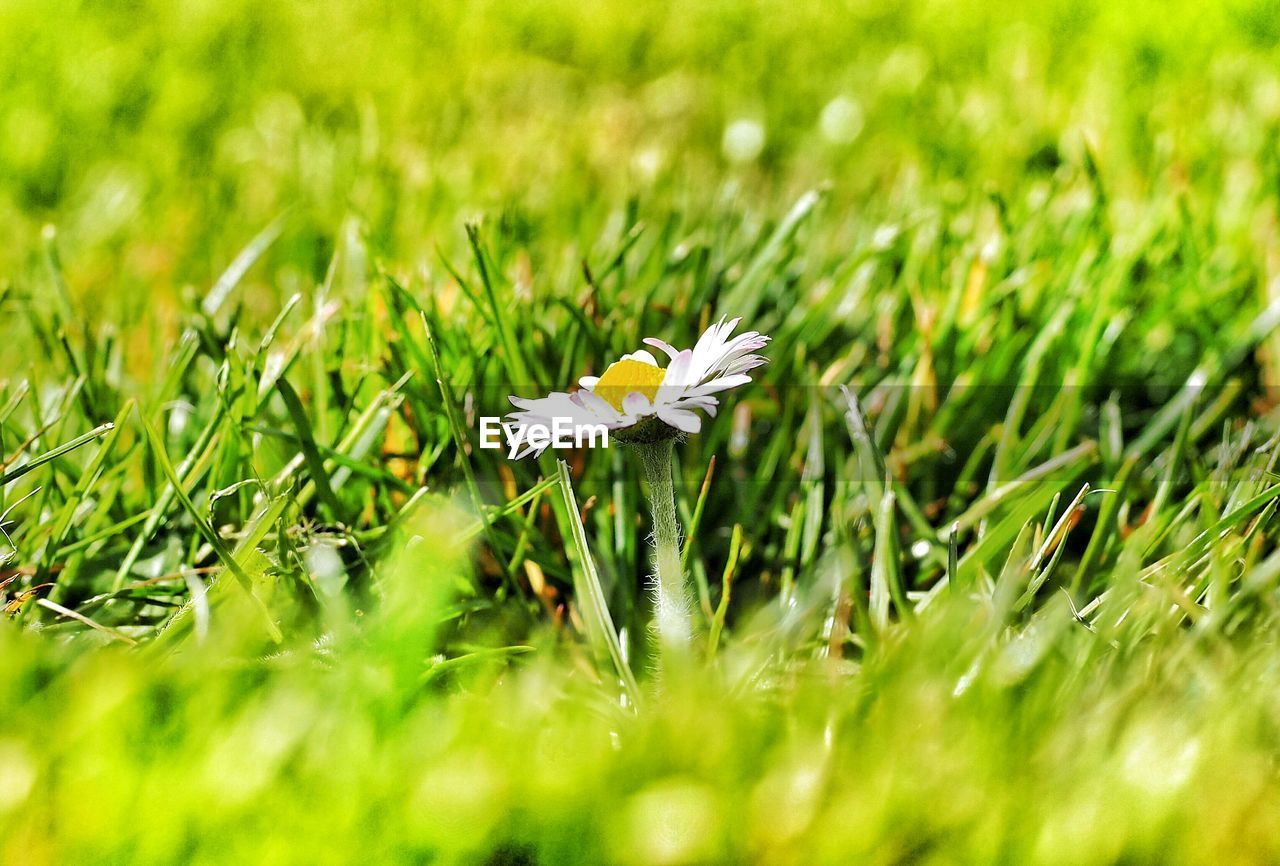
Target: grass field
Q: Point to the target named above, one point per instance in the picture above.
(984, 562)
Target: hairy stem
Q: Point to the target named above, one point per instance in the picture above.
(671, 598)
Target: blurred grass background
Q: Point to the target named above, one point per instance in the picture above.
(159, 136)
(1043, 254)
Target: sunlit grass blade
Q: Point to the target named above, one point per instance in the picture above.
(209, 534)
(54, 453)
(589, 595)
(307, 445)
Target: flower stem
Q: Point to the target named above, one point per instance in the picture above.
(671, 599)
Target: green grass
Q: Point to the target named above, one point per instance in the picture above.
(985, 561)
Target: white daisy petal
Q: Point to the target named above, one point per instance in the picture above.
(715, 386)
(743, 364)
(712, 347)
(636, 404)
(706, 348)
(669, 350)
(681, 419)
(588, 382)
(735, 351)
(601, 407)
(641, 355)
(526, 450)
(678, 373)
(706, 404)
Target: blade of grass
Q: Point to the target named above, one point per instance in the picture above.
(307, 443)
(209, 534)
(589, 594)
(53, 454)
(726, 590)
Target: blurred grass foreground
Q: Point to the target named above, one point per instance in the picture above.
(984, 561)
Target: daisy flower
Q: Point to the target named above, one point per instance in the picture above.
(648, 407)
(639, 402)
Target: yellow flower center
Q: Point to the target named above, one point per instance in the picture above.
(627, 377)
